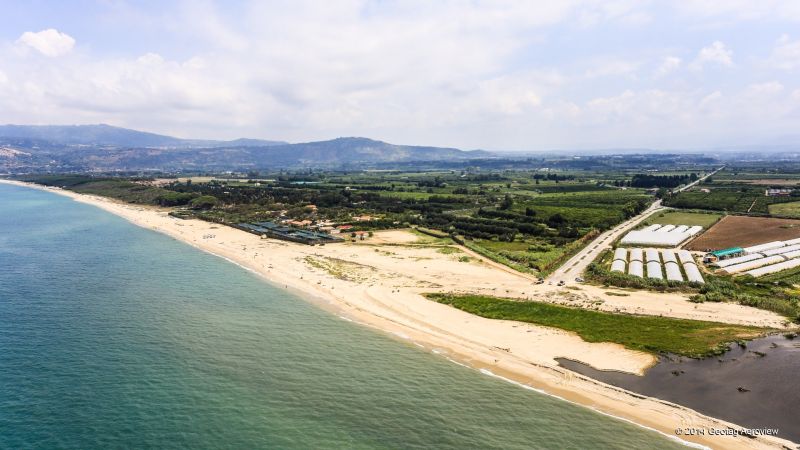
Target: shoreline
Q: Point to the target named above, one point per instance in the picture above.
(399, 310)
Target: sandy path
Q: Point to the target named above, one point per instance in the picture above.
(378, 282)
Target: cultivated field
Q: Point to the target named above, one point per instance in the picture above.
(742, 231)
(773, 181)
(703, 219)
(791, 209)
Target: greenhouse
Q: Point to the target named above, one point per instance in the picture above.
(654, 270)
(663, 236)
(635, 268)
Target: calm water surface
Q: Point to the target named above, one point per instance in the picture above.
(112, 336)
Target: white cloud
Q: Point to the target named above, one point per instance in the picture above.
(739, 10)
(49, 42)
(710, 99)
(613, 68)
(767, 89)
(470, 74)
(786, 54)
(716, 53)
(623, 12)
(668, 65)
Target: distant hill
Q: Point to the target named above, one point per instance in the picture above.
(107, 148)
(107, 135)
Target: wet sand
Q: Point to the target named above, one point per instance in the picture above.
(769, 395)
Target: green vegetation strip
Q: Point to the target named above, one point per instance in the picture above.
(653, 334)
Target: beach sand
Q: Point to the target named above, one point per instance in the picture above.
(378, 283)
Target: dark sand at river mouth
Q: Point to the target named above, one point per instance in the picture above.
(710, 385)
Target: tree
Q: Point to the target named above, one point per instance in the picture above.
(171, 198)
(507, 202)
(204, 202)
(556, 220)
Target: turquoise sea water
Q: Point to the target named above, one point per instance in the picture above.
(112, 336)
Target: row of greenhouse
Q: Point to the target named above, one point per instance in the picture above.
(637, 260)
(762, 259)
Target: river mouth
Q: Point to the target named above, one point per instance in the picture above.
(757, 386)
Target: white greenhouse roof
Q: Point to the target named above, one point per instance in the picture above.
(792, 263)
(654, 270)
(651, 254)
(693, 273)
(668, 256)
(673, 271)
(738, 259)
(761, 247)
(741, 267)
(635, 268)
(685, 256)
(781, 250)
(666, 236)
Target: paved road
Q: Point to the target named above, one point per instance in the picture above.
(575, 266)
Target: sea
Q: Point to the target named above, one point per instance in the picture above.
(114, 336)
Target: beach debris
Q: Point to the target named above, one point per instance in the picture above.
(742, 389)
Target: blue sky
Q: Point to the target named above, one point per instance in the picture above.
(500, 75)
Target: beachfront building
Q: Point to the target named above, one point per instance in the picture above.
(276, 231)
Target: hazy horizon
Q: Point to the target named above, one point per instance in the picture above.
(793, 146)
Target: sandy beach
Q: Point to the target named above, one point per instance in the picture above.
(378, 282)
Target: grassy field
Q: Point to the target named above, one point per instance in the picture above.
(651, 334)
(704, 219)
(791, 209)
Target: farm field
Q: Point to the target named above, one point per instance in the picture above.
(742, 231)
(791, 209)
(735, 191)
(773, 181)
(531, 253)
(704, 219)
(732, 198)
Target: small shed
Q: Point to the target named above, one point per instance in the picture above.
(716, 255)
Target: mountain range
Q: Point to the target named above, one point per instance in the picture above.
(107, 135)
(54, 148)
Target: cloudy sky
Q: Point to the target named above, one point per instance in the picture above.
(499, 75)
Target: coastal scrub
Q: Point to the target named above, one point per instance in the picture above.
(652, 334)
